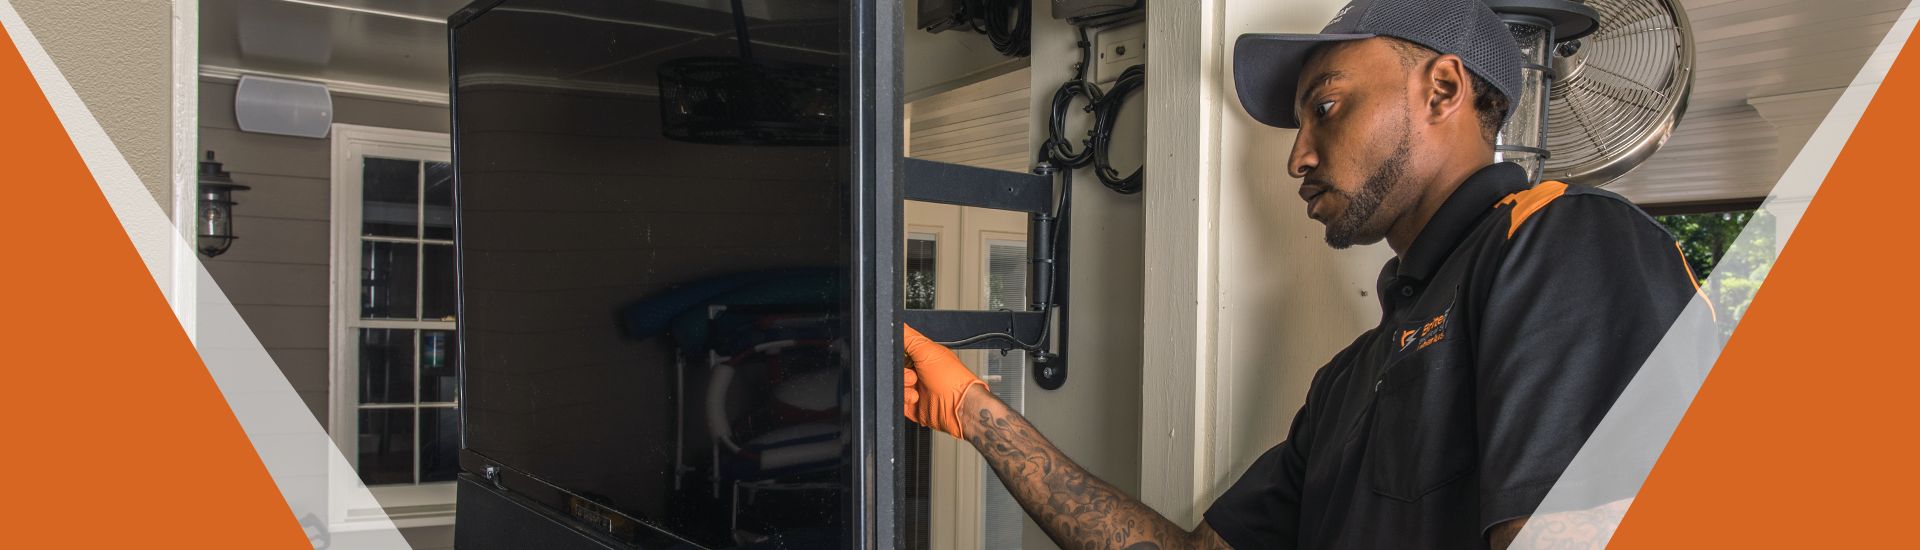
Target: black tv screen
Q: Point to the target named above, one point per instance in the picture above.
(665, 266)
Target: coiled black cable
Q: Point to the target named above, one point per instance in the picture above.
(1009, 26)
(1056, 148)
(1106, 114)
(1105, 106)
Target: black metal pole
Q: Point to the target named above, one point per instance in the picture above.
(740, 30)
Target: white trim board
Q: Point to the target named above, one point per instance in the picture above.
(1181, 197)
(429, 97)
(185, 207)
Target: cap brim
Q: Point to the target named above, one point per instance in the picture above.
(1266, 72)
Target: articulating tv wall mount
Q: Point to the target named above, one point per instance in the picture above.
(1041, 330)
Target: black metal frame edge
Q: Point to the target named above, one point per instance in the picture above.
(950, 326)
(552, 500)
(947, 183)
(876, 191)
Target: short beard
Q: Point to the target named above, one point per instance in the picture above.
(1356, 224)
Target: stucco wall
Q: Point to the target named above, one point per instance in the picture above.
(118, 55)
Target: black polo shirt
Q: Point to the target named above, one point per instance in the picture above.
(1507, 331)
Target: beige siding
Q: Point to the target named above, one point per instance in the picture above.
(118, 55)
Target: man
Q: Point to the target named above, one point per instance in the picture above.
(1512, 317)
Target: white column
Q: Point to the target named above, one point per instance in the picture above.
(1185, 74)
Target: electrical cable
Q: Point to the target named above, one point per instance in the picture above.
(1010, 33)
(1106, 114)
(1057, 148)
(1008, 24)
(1061, 210)
(1105, 107)
(1057, 154)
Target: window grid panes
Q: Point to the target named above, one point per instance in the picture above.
(408, 393)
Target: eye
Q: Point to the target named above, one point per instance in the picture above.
(1321, 109)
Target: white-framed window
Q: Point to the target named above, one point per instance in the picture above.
(394, 401)
(1004, 276)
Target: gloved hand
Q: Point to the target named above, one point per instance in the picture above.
(935, 381)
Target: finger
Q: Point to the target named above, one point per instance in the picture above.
(911, 339)
(911, 378)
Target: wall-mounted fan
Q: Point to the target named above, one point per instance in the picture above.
(1614, 76)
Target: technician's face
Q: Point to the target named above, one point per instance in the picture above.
(1353, 144)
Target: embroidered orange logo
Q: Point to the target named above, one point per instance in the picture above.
(1432, 332)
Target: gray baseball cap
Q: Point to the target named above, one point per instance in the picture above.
(1266, 67)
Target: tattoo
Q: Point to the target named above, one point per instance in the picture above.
(1076, 509)
(1578, 529)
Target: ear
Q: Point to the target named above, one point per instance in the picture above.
(1448, 88)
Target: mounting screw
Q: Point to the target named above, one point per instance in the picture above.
(1567, 49)
(492, 473)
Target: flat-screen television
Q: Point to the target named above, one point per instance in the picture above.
(678, 231)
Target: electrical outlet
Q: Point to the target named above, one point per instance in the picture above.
(1117, 48)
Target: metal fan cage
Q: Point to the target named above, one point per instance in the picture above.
(1619, 92)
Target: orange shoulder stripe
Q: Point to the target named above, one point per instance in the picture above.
(1526, 203)
(1696, 282)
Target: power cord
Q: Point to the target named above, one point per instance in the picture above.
(1105, 107)
(1009, 26)
(1058, 149)
(1057, 154)
(1038, 346)
(1106, 114)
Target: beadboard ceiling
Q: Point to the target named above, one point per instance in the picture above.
(1748, 50)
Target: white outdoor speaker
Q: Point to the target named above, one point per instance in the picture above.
(283, 107)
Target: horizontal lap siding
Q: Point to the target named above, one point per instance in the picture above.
(982, 124)
(277, 272)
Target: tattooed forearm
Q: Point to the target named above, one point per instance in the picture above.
(1077, 510)
(1578, 529)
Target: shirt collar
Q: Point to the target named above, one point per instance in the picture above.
(1457, 216)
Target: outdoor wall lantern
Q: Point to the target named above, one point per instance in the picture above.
(215, 222)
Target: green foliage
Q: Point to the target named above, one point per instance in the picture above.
(920, 289)
(1730, 270)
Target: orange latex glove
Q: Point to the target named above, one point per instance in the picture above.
(935, 381)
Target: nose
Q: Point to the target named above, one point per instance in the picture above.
(1303, 159)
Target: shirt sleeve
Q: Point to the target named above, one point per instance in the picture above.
(1586, 290)
(1262, 508)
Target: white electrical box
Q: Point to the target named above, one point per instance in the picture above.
(1116, 48)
